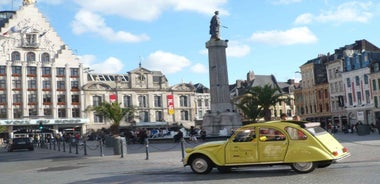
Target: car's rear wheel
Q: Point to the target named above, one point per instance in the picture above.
(201, 165)
(303, 167)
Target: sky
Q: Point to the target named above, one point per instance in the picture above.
(268, 37)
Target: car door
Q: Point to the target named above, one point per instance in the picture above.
(242, 147)
(272, 144)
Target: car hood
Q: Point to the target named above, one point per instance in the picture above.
(206, 146)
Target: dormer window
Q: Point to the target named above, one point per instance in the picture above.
(30, 56)
(30, 40)
(45, 57)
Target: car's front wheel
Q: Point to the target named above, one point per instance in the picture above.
(303, 167)
(201, 165)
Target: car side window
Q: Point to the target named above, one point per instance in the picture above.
(295, 134)
(271, 134)
(245, 135)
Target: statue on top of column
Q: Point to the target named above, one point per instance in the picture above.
(215, 26)
(27, 2)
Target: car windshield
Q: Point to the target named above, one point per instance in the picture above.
(20, 140)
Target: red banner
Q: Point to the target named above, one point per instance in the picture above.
(170, 104)
(113, 98)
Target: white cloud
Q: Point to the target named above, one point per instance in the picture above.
(236, 49)
(110, 65)
(199, 68)
(148, 10)
(86, 21)
(299, 35)
(347, 12)
(166, 62)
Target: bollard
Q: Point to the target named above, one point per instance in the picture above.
(101, 148)
(147, 148)
(121, 149)
(63, 146)
(76, 148)
(85, 147)
(182, 148)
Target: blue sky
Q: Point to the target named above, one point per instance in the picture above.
(265, 36)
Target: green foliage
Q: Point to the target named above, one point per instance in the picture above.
(114, 112)
(256, 102)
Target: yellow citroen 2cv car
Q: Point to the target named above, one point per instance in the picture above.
(303, 146)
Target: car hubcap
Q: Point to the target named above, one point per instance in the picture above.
(302, 166)
(200, 165)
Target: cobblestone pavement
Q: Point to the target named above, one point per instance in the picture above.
(163, 165)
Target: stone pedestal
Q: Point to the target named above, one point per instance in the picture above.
(221, 124)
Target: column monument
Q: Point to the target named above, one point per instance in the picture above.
(221, 119)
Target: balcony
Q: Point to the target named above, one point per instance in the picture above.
(17, 103)
(47, 103)
(61, 103)
(75, 103)
(46, 89)
(32, 89)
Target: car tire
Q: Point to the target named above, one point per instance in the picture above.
(222, 169)
(201, 165)
(303, 167)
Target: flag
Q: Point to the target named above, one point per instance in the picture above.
(42, 34)
(6, 33)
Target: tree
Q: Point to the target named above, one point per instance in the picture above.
(256, 102)
(113, 112)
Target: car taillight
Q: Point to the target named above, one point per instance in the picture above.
(345, 150)
(335, 153)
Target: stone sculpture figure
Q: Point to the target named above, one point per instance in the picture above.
(215, 26)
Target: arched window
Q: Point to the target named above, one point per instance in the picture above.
(30, 56)
(45, 57)
(15, 56)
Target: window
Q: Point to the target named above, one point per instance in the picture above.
(295, 134)
(271, 134)
(75, 98)
(98, 118)
(30, 40)
(45, 57)
(61, 85)
(183, 101)
(376, 102)
(142, 101)
(159, 116)
(374, 84)
(206, 102)
(15, 56)
(61, 98)
(33, 112)
(46, 71)
(30, 56)
(348, 82)
(359, 95)
(74, 85)
(184, 115)
(16, 84)
(32, 98)
(96, 100)
(3, 98)
(3, 113)
(144, 116)
(127, 101)
(31, 71)
(350, 98)
(365, 79)
(245, 135)
(16, 70)
(367, 97)
(3, 84)
(157, 101)
(47, 98)
(199, 102)
(74, 72)
(75, 113)
(32, 84)
(17, 113)
(17, 98)
(61, 72)
(3, 70)
(46, 84)
(62, 113)
(47, 112)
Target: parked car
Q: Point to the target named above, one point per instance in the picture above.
(303, 146)
(20, 143)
